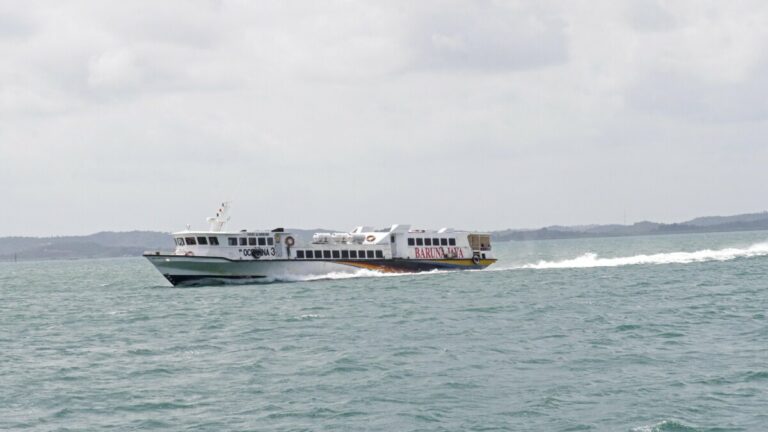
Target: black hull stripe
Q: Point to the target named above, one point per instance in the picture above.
(192, 279)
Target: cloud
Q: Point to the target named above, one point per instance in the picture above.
(649, 16)
(340, 113)
(487, 36)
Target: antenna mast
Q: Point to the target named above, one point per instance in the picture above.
(216, 223)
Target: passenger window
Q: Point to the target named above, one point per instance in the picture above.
(411, 242)
(180, 241)
(213, 241)
(190, 241)
(233, 241)
(202, 241)
(326, 254)
(270, 241)
(361, 254)
(436, 242)
(251, 241)
(370, 254)
(443, 242)
(345, 254)
(379, 254)
(300, 254)
(419, 242)
(318, 254)
(452, 241)
(262, 241)
(243, 241)
(353, 254)
(427, 242)
(336, 254)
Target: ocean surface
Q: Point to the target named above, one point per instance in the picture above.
(636, 334)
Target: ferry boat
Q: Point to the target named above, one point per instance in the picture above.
(219, 256)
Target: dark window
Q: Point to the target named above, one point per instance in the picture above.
(213, 240)
(370, 254)
(427, 242)
(411, 242)
(243, 241)
(379, 254)
(262, 241)
(270, 241)
(353, 254)
(443, 242)
(251, 241)
(452, 241)
(326, 254)
(419, 242)
(233, 241)
(435, 242)
(392, 239)
(299, 254)
(202, 240)
(345, 254)
(318, 254)
(361, 254)
(336, 254)
(483, 256)
(190, 241)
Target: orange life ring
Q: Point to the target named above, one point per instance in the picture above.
(370, 238)
(289, 241)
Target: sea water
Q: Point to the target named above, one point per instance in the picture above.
(661, 333)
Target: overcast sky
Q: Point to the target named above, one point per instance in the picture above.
(146, 114)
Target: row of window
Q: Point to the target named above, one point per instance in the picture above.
(213, 241)
(432, 242)
(251, 241)
(233, 241)
(336, 254)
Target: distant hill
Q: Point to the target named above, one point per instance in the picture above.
(134, 243)
(745, 222)
(99, 245)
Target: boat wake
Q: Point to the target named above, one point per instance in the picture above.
(361, 273)
(589, 260)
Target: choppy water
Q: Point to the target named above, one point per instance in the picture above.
(632, 334)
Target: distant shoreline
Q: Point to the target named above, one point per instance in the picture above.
(134, 243)
(638, 229)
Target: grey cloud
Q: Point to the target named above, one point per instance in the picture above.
(15, 27)
(689, 97)
(485, 36)
(649, 16)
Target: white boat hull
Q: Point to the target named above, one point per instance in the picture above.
(192, 270)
